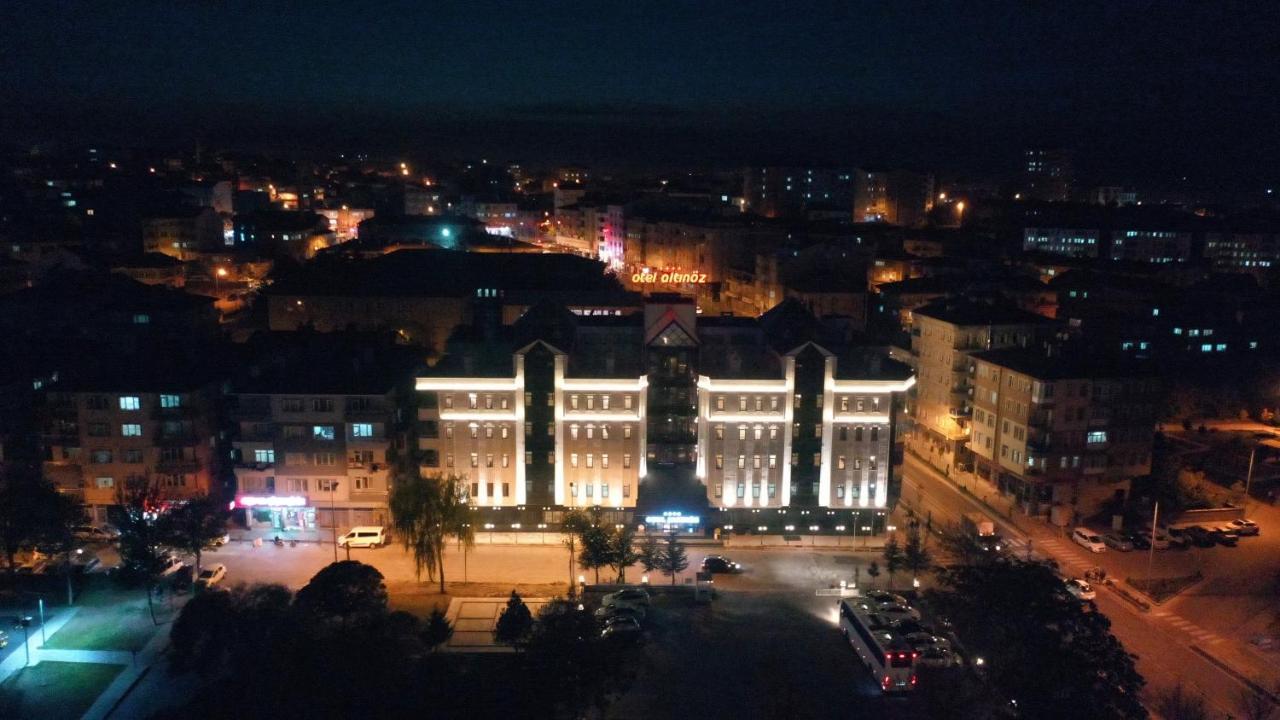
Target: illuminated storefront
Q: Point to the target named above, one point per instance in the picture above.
(282, 512)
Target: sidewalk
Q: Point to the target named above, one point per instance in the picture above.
(18, 657)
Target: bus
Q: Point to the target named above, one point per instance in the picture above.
(889, 657)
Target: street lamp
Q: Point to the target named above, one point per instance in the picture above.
(333, 520)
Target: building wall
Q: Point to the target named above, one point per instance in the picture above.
(1072, 242)
(329, 449)
(95, 442)
(596, 428)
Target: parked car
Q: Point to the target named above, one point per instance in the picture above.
(211, 576)
(1228, 538)
(169, 565)
(1160, 540)
(636, 596)
(719, 564)
(1081, 589)
(370, 536)
(1245, 527)
(1116, 541)
(881, 597)
(221, 540)
(938, 657)
(1140, 541)
(1088, 539)
(621, 628)
(91, 533)
(608, 612)
(898, 612)
(1179, 539)
(1200, 537)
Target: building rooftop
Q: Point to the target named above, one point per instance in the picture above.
(964, 311)
(1063, 364)
(303, 362)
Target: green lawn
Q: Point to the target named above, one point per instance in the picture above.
(52, 690)
(119, 626)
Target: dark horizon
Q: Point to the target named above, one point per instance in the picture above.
(1139, 94)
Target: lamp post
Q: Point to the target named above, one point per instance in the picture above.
(217, 277)
(1248, 478)
(42, 638)
(1151, 551)
(333, 518)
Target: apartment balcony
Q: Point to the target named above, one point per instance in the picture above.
(366, 467)
(180, 438)
(178, 467)
(255, 466)
(380, 413)
(248, 410)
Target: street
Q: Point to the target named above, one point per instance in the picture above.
(1206, 617)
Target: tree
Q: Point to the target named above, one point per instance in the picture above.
(651, 554)
(894, 559)
(32, 511)
(873, 572)
(673, 560)
(622, 551)
(437, 630)
(194, 526)
(915, 554)
(574, 524)
(426, 512)
(596, 550)
(570, 664)
(142, 556)
(345, 589)
(1013, 613)
(515, 623)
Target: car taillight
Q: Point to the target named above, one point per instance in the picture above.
(913, 679)
(885, 683)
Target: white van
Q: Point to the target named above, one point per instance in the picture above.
(370, 536)
(1088, 539)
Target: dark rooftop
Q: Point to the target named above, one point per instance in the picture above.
(962, 311)
(1063, 364)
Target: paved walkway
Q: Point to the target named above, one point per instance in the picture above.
(18, 657)
(473, 620)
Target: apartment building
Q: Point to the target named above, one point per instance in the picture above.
(1061, 430)
(944, 335)
(318, 422)
(101, 433)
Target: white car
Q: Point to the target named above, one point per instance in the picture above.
(90, 533)
(169, 565)
(1088, 539)
(221, 540)
(1244, 527)
(1080, 589)
(211, 576)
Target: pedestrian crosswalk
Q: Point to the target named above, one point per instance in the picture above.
(1188, 627)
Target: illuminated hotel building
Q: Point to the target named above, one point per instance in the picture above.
(811, 437)
(661, 412)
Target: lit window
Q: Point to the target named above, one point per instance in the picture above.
(322, 432)
(362, 430)
(131, 430)
(130, 402)
(1096, 437)
(170, 401)
(264, 456)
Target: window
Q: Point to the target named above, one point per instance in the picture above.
(626, 460)
(105, 482)
(626, 490)
(795, 458)
(551, 430)
(475, 460)
(326, 459)
(99, 430)
(473, 400)
(474, 428)
(1096, 437)
(604, 460)
(170, 401)
(488, 431)
(360, 482)
(773, 490)
(719, 462)
(755, 461)
(322, 405)
(551, 458)
(528, 398)
(362, 430)
(604, 402)
(591, 431)
(100, 457)
(742, 402)
(844, 403)
(742, 490)
(448, 401)
(551, 400)
(293, 458)
(797, 401)
(506, 460)
(627, 401)
(720, 403)
(326, 484)
(448, 459)
(591, 460)
(291, 405)
(488, 402)
(773, 461)
(817, 430)
(742, 462)
(573, 402)
(875, 434)
(133, 456)
(844, 432)
(840, 462)
(590, 488)
(626, 432)
(264, 456)
(604, 490)
(857, 434)
(573, 459)
(431, 458)
(130, 402)
(755, 490)
(96, 402)
(840, 491)
(322, 432)
(719, 489)
(742, 432)
(817, 459)
(488, 460)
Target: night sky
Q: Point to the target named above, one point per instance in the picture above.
(1139, 90)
